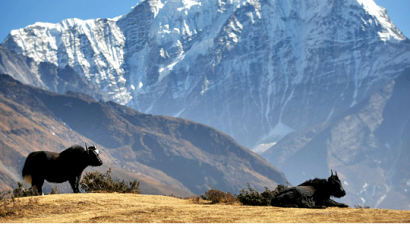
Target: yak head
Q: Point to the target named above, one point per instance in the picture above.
(93, 155)
(335, 185)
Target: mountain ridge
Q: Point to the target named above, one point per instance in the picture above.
(159, 147)
(136, 208)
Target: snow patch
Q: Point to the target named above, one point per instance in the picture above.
(205, 87)
(250, 15)
(188, 4)
(162, 53)
(263, 147)
(156, 6)
(364, 187)
(164, 71)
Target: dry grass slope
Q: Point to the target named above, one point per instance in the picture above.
(134, 208)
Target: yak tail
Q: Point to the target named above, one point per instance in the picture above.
(28, 179)
(27, 173)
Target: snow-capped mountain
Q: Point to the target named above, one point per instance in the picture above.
(249, 68)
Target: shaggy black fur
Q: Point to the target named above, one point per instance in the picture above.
(314, 193)
(59, 167)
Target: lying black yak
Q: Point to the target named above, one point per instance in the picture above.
(59, 167)
(314, 193)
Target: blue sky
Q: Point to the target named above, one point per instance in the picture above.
(16, 14)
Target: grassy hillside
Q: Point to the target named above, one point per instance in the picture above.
(133, 208)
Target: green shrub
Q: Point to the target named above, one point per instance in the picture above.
(99, 182)
(216, 196)
(22, 191)
(253, 197)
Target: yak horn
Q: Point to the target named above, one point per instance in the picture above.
(86, 148)
(331, 172)
(96, 148)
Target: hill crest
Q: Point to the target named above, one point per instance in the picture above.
(133, 208)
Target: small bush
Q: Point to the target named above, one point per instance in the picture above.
(195, 199)
(216, 196)
(253, 197)
(22, 191)
(98, 182)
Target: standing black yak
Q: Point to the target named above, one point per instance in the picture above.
(59, 167)
(312, 194)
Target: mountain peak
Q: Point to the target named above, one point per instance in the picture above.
(169, 57)
(388, 30)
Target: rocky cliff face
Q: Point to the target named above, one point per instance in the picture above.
(248, 68)
(45, 75)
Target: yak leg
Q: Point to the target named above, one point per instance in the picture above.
(74, 182)
(77, 183)
(332, 203)
(37, 186)
(34, 189)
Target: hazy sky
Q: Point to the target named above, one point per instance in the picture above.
(16, 14)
